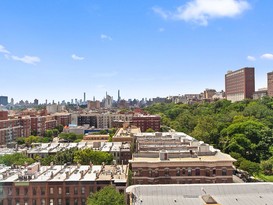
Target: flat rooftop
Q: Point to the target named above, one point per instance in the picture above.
(196, 194)
(217, 157)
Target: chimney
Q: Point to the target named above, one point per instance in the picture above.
(67, 174)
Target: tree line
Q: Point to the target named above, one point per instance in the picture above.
(243, 129)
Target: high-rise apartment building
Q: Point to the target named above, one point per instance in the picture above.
(3, 100)
(270, 84)
(240, 84)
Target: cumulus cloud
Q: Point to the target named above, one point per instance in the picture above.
(251, 58)
(201, 11)
(3, 50)
(105, 37)
(76, 58)
(268, 56)
(27, 59)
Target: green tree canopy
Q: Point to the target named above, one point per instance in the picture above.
(106, 196)
(96, 157)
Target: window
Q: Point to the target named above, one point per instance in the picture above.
(189, 172)
(83, 201)
(42, 190)
(51, 201)
(17, 202)
(197, 172)
(156, 173)
(67, 201)
(83, 190)
(75, 201)
(51, 190)
(224, 172)
(9, 191)
(166, 171)
(34, 191)
(9, 202)
(25, 191)
(207, 172)
(183, 171)
(26, 202)
(17, 191)
(75, 190)
(214, 172)
(33, 201)
(67, 190)
(42, 201)
(177, 172)
(150, 173)
(60, 190)
(59, 201)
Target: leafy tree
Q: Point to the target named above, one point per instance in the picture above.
(48, 133)
(150, 130)
(96, 157)
(59, 128)
(250, 167)
(17, 159)
(267, 166)
(106, 196)
(71, 137)
(55, 132)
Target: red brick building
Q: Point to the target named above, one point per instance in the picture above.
(40, 124)
(3, 115)
(145, 122)
(63, 118)
(11, 129)
(240, 84)
(59, 184)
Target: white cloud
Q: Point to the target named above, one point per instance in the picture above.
(7, 56)
(76, 58)
(3, 50)
(161, 12)
(268, 56)
(105, 37)
(161, 29)
(251, 58)
(201, 11)
(27, 59)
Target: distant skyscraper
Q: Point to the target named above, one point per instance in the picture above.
(119, 96)
(270, 84)
(36, 102)
(108, 101)
(12, 101)
(84, 97)
(3, 100)
(240, 84)
(46, 102)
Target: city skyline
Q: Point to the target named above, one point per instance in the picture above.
(59, 50)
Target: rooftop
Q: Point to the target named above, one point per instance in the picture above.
(197, 194)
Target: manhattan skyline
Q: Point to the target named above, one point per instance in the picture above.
(58, 50)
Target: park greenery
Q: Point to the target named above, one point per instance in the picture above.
(70, 156)
(242, 129)
(75, 155)
(106, 196)
(15, 159)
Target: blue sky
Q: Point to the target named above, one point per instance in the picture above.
(57, 50)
